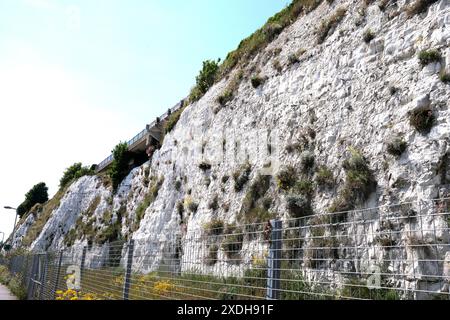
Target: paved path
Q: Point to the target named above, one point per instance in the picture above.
(5, 294)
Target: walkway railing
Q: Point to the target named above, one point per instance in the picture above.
(131, 143)
(391, 252)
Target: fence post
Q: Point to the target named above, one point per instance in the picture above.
(274, 261)
(58, 271)
(43, 275)
(127, 281)
(32, 274)
(83, 260)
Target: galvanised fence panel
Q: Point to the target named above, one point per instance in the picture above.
(390, 252)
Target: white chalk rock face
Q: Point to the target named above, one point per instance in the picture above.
(342, 94)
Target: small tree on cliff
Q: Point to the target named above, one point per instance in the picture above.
(205, 79)
(74, 172)
(37, 194)
(120, 165)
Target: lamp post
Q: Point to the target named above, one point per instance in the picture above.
(2, 242)
(15, 220)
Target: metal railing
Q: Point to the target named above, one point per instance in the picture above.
(391, 252)
(102, 165)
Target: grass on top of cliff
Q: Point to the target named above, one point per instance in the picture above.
(249, 47)
(43, 216)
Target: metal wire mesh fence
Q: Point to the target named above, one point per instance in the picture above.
(391, 252)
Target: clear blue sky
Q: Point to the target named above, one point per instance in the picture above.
(76, 77)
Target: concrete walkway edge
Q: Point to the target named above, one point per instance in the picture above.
(5, 293)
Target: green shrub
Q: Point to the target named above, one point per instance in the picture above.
(193, 207)
(214, 228)
(383, 4)
(257, 214)
(368, 36)
(419, 6)
(324, 177)
(74, 172)
(286, 178)
(37, 194)
(205, 79)
(70, 237)
(393, 90)
(267, 203)
(178, 185)
(214, 203)
(225, 97)
(225, 179)
(429, 56)
(445, 77)
(293, 59)
(120, 166)
(304, 187)
(228, 94)
(307, 160)
(422, 120)
(396, 147)
(257, 81)
(277, 65)
(259, 187)
(330, 24)
(299, 205)
(359, 184)
(241, 176)
(204, 166)
(111, 233)
(149, 198)
(250, 212)
(359, 176)
(180, 208)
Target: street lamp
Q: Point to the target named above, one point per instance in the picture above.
(15, 220)
(3, 238)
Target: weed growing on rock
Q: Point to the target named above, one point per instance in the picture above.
(257, 81)
(286, 178)
(419, 6)
(324, 177)
(445, 77)
(368, 36)
(299, 205)
(359, 184)
(214, 228)
(422, 119)
(396, 147)
(429, 56)
(214, 203)
(204, 166)
(241, 177)
(329, 26)
(307, 161)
